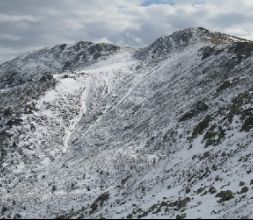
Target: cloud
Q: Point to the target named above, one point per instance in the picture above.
(9, 37)
(29, 24)
(5, 18)
(158, 2)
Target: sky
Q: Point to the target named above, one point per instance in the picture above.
(27, 25)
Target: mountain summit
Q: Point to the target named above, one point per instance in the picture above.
(184, 38)
(98, 131)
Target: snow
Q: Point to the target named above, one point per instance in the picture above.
(76, 120)
(113, 126)
(66, 87)
(3, 90)
(20, 168)
(46, 162)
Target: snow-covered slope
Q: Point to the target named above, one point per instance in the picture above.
(33, 66)
(160, 132)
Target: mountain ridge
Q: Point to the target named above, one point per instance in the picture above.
(159, 132)
(199, 31)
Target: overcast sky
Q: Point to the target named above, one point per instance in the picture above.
(31, 24)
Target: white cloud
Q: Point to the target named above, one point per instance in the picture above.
(5, 18)
(30, 23)
(8, 53)
(9, 37)
(103, 40)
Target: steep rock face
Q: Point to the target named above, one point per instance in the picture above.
(164, 131)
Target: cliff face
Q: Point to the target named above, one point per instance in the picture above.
(93, 130)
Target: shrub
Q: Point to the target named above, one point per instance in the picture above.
(54, 188)
(17, 216)
(225, 196)
(100, 201)
(8, 112)
(212, 190)
(242, 184)
(182, 216)
(4, 209)
(244, 190)
(224, 86)
(196, 110)
(201, 126)
(214, 136)
(248, 124)
(183, 203)
(200, 190)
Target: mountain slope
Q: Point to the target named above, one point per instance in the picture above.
(160, 132)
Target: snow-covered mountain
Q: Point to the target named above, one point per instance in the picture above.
(97, 131)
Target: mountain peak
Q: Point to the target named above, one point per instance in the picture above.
(62, 57)
(184, 38)
(198, 34)
(193, 30)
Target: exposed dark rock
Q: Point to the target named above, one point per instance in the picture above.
(199, 129)
(198, 108)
